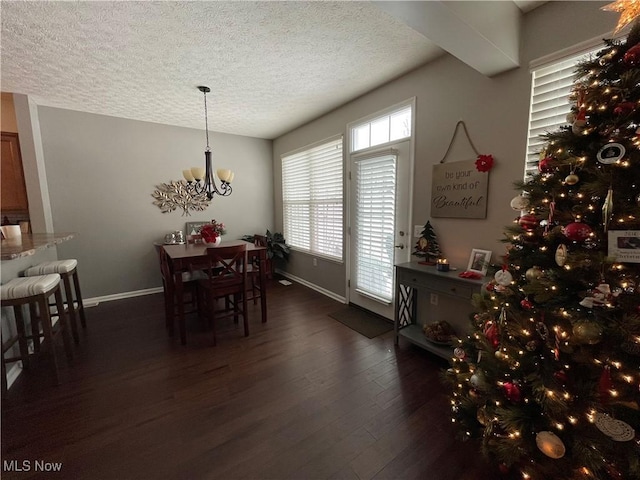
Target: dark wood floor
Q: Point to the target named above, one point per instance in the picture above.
(303, 397)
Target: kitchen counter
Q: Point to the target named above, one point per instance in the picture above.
(31, 244)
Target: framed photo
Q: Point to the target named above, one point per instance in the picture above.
(479, 261)
(624, 245)
(193, 228)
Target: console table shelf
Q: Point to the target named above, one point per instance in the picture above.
(414, 280)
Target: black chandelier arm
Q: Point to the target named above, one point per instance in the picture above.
(209, 188)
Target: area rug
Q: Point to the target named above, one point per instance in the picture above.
(368, 324)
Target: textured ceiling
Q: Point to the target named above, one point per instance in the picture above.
(271, 66)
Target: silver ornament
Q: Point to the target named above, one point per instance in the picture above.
(607, 209)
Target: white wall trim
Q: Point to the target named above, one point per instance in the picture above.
(312, 286)
(92, 302)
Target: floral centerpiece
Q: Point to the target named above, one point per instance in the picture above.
(212, 232)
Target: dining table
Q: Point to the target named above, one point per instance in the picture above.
(191, 257)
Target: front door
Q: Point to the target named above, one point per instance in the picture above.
(379, 218)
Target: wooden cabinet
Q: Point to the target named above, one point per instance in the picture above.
(424, 295)
(14, 191)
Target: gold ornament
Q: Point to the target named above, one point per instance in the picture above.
(533, 274)
(571, 179)
(628, 9)
(587, 332)
(550, 444)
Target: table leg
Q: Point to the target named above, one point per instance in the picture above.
(263, 285)
(179, 294)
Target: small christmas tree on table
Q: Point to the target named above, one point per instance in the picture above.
(550, 377)
(427, 246)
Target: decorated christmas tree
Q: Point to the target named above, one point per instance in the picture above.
(427, 245)
(549, 379)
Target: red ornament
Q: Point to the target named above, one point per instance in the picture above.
(528, 222)
(632, 56)
(561, 376)
(577, 231)
(492, 334)
(546, 165)
(526, 304)
(605, 384)
(625, 108)
(484, 163)
(512, 391)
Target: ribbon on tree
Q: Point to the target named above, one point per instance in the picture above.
(552, 209)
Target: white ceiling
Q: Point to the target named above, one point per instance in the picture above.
(271, 66)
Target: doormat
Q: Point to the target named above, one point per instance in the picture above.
(368, 324)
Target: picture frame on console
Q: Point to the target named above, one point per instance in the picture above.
(479, 261)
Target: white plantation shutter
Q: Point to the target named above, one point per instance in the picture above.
(375, 193)
(550, 90)
(312, 199)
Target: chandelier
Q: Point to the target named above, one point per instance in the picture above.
(200, 180)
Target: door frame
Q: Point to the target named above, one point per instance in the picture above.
(372, 150)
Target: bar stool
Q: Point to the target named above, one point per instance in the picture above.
(34, 291)
(67, 269)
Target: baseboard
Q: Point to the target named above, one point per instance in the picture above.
(312, 286)
(94, 301)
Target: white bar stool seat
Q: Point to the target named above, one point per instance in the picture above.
(35, 292)
(67, 269)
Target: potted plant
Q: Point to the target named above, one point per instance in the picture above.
(276, 248)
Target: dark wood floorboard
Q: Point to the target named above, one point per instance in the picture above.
(303, 397)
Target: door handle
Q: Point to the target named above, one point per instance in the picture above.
(401, 246)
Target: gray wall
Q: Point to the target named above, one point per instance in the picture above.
(101, 172)
(495, 111)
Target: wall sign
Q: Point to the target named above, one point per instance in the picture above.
(459, 190)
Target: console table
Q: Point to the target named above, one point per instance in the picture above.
(416, 288)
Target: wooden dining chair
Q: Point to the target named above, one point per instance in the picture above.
(189, 284)
(253, 271)
(226, 279)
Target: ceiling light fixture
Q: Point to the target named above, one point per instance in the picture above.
(200, 180)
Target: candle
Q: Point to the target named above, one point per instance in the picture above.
(442, 265)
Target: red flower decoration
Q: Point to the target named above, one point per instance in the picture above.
(484, 163)
(211, 231)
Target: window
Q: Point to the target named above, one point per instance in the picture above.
(550, 90)
(312, 198)
(384, 129)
